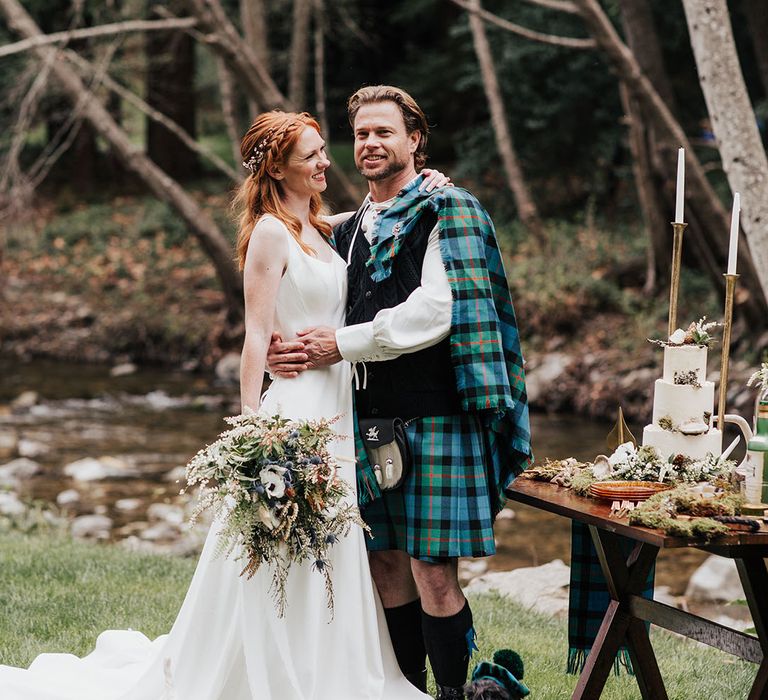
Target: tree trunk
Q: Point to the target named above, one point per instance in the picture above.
(299, 59)
(253, 15)
(211, 239)
(643, 40)
(320, 104)
(733, 122)
(647, 196)
(710, 209)
(757, 18)
(170, 90)
(514, 174)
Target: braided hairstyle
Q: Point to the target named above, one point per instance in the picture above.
(268, 142)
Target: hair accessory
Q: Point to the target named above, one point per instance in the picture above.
(258, 152)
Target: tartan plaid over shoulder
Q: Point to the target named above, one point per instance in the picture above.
(484, 339)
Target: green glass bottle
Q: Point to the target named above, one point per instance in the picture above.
(757, 457)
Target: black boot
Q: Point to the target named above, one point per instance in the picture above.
(446, 693)
(419, 679)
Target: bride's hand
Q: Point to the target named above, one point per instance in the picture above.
(286, 359)
(433, 179)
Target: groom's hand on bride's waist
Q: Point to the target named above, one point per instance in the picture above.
(286, 358)
(320, 346)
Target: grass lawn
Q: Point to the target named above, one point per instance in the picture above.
(57, 595)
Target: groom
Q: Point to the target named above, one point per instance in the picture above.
(432, 333)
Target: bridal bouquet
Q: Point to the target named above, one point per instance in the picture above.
(274, 486)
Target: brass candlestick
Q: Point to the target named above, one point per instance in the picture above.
(730, 286)
(677, 254)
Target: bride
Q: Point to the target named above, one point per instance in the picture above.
(228, 642)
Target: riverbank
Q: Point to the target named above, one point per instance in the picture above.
(122, 283)
(60, 594)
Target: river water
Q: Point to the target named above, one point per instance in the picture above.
(156, 420)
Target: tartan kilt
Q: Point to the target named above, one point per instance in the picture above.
(444, 507)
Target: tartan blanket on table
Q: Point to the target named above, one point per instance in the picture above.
(589, 599)
(484, 340)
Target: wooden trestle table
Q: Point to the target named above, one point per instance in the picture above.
(624, 621)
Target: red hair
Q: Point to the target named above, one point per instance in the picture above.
(267, 143)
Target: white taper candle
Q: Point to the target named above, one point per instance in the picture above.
(680, 186)
(733, 247)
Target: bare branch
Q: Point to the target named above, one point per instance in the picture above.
(560, 5)
(569, 42)
(133, 99)
(353, 26)
(90, 32)
(515, 179)
(228, 106)
(67, 132)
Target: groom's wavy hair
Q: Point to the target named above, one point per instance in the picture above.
(268, 143)
(413, 116)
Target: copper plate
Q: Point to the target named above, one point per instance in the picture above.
(626, 490)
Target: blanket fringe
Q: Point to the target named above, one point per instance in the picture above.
(577, 658)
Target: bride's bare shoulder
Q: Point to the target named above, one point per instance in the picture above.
(268, 240)
(270, 227)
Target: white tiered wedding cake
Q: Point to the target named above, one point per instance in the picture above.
(683, 399)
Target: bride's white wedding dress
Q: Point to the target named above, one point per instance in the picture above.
(227, 642)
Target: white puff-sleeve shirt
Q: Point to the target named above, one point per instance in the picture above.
(422, 320)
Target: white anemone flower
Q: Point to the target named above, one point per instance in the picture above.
(272, 479)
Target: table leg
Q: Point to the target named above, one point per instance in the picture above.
(754, 579)
(624, 578)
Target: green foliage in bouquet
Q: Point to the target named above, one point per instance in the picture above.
(274, 488)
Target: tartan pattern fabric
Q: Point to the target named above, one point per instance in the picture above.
(485, 343)
(443, 509)
(589, 598)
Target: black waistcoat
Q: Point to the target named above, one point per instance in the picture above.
(416, 384)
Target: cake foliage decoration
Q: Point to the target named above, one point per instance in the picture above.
(698, 334)
(688, 378)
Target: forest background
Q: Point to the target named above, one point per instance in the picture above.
(118, 156)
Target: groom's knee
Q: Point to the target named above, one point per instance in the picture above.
(391, 570)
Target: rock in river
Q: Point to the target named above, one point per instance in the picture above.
(543, 588)
(91, 527)
(166, 513)
(716, 580)
(11, 505)
(91, 469)
(70, 497)
(21, 468)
